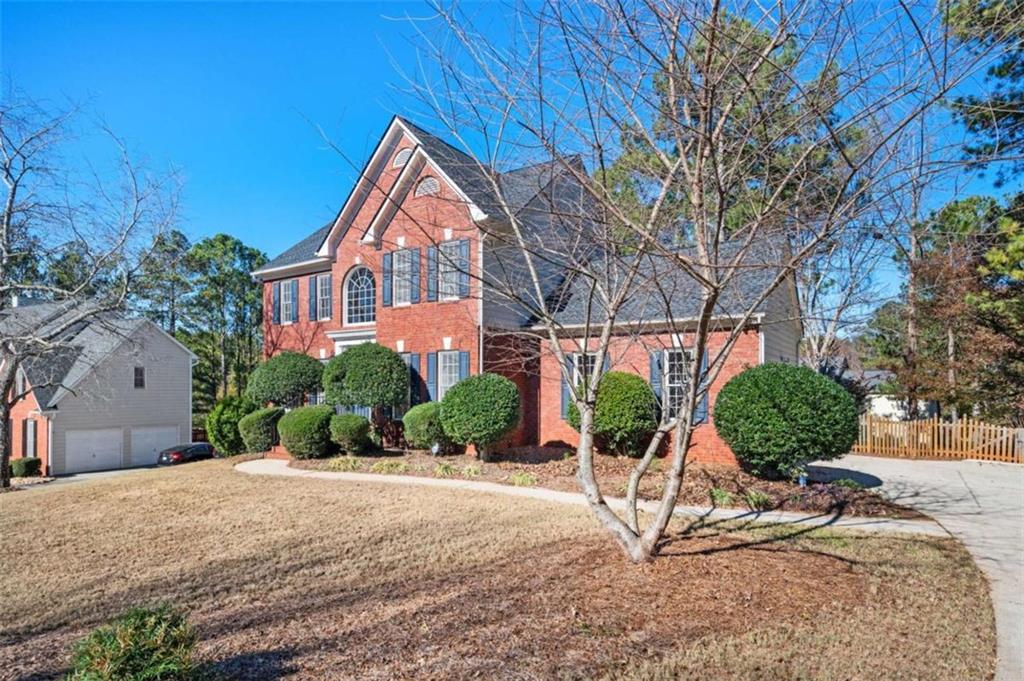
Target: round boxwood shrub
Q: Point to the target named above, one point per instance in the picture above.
(423, 429)
(26, 467)
(285, 379)
(480, 410)
(778, 417)
(222, 424)
(625, 414)
(144, 643)
(259, 429)
(368, 375)
(306, 432)
(350, 432)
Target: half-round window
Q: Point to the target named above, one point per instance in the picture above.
(359, 297)
(428, 186)
(401, 157)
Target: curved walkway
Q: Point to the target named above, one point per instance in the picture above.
(802, 520)
(982, 504)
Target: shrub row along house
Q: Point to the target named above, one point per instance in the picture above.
(411, 262)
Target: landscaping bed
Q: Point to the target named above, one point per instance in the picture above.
(703, 485)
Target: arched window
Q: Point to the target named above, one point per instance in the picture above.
(401, 157)
(428, 186)
(359, 297)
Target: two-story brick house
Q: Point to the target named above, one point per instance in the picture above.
(404, 264)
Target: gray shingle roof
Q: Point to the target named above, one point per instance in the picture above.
(302, 251)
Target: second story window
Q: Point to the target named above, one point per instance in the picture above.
(323, 296)
(288, 302)
(403, 277)
(448, 270)
(140, 377)
(428, 186)
(359, 297)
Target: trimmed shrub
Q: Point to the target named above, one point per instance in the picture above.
(625, 414)
(26, 467)
(306, 432)
(423, 427)
(285, 379)
(259, 429)
(778, 417)
(350, 432)
(369, 375)
(222, 424)
(480, 410)
(144, 643)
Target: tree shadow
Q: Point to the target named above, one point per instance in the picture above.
(263, 664)
(832, 473)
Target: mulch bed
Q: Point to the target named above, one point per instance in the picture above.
(554, 470)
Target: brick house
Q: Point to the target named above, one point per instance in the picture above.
(405, 262)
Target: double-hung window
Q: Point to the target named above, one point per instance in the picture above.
(140, 377)
(677, 379)
(447, 371)
(448, 270)
(403, 277)
(288, 302)
(323, 296)
(583, 366)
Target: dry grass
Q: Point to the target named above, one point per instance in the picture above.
(313, 579)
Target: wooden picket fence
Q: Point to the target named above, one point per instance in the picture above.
(935, 439)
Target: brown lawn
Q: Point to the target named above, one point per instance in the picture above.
(298, 578)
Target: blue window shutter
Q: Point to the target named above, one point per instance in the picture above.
(656, 373)
(607, 361)
(464, 268)
(330, 295)
(432, 273)
(463, 365)
(414, 276)
(414, 378)
(565, 387)
(431, 375)
(700, 414)
(275, 305)
(385, 275)
(295, 300)
(312, 298)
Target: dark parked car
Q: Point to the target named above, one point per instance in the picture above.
(185, 453)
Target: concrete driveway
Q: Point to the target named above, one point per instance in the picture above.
(980, 503)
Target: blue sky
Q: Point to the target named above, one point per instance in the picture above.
(228, 93)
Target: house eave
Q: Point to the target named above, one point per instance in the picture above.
(312, 265)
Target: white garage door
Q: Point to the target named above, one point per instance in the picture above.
(150, 441)
(92, 450)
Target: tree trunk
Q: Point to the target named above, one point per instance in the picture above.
(951, 370)
(910, 352)
(7, 374)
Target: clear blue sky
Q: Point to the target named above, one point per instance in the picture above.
(228, 93)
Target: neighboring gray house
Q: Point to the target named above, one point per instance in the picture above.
(115, 392)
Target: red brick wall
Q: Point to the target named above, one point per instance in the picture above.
(24, 410)
(515, 356)
(632, 355)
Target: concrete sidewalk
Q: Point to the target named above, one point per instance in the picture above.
(979, 502)
(802, 520)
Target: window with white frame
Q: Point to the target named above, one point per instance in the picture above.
(323, 296)
(140, 377)
(315, 398)
(359, 297)
(583, 366)
(676, 366)
(428, 186)
(448, 270)
(401, 157)
(288, 302)
(447, 371)
(402, 264)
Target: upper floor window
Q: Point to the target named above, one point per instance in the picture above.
(359, 297)
(677, 378)
(403, 266)
(323, 296)
(448, 270)
(140, 377)
(428, 186)
(288, 302)
(401, 157)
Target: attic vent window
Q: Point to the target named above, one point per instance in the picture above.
(401, 157)
(428, 186)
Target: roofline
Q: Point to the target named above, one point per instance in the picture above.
(294, 265)
(754, 319)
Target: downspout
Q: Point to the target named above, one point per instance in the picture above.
(480, 304)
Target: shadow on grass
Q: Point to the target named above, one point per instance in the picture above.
(263, 664)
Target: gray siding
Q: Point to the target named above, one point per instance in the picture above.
(107, 397)
(781, 328)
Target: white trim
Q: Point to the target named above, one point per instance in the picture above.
(400, 346)
(760, 344)
(344, 297)
(286, 269)
(353, 334)
(754, 319)
(395, 163)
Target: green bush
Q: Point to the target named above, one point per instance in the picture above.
(423, 427)
(350, 432)
(306, 432)
(285, 379)
(778, 417)
(143, 644)
(625, 414)
(27, 467)
(480, 410)
(222, 424)
(259, 429)
(368, 375)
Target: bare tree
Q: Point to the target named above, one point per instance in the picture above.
(74, 242)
